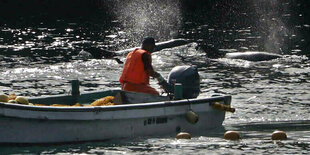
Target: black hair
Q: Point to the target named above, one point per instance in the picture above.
(148, 40)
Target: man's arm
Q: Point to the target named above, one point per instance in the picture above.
(148, 66)
(149, 69)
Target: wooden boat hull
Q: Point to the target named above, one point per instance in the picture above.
(39, 124)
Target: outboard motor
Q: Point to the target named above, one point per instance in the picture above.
(189, 78)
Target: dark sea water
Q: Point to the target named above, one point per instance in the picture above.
(39, 42)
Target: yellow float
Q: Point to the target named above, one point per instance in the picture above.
(232, 135)
(223, 107)
(191, 117)
(4, 98)
(278, 135)
(183, 135)
(22, 100)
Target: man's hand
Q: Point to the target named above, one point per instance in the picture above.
(160, 78)
(155, 74)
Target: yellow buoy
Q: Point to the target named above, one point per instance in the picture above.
(183, 135)
(278, 135)
(4, 98)
(223, 107)
(232, 135)
(22, 100)
(191, 117)
(12, 101)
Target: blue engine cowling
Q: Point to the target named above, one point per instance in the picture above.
(189, 78)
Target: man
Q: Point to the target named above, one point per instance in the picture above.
(138, 69)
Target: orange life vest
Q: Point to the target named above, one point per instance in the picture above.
(133, 71)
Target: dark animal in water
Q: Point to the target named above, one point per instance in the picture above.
(252, 56)
(98, 53)
(214, 53)
(160, 45)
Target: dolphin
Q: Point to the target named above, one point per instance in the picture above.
(214, 53)
(252, 56)
(160, 45)
(99, 53)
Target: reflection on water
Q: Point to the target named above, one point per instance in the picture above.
(256, 139)
(38, 58)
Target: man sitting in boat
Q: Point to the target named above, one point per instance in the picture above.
(138, 69)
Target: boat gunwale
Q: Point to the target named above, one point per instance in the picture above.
(117, 107)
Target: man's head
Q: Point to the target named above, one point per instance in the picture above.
(148, 44)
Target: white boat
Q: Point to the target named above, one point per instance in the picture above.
(135, 114)
(47, 124)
